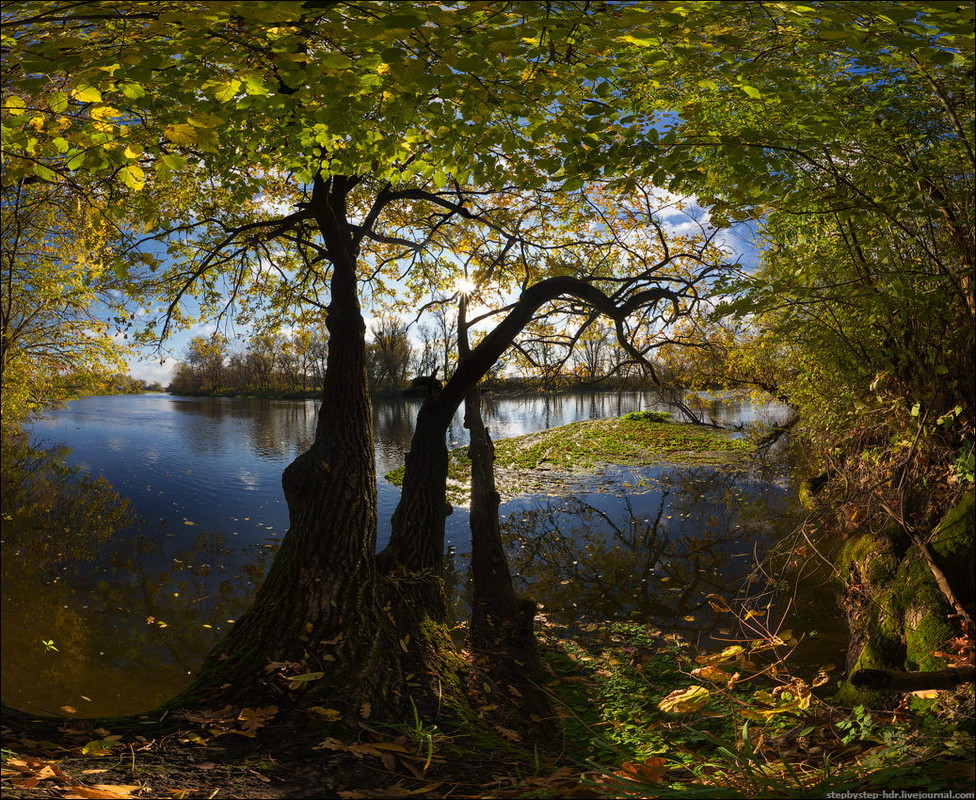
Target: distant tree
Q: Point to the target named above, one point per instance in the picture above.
(425, 360)
(390, 352)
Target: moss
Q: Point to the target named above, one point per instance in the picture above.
(868, 557)
(898, 613)
(953, 548)
(929, 635)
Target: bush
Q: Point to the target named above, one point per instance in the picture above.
(648, 416)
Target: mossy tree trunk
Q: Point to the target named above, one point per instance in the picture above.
(897, 612)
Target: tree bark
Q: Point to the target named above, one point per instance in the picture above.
(878, 680)
(323, 607)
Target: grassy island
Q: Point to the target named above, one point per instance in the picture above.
(537, 460)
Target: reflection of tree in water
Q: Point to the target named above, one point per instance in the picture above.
(273, 429)
(279, 429)
(393, 421)
(53, 511)
(653, 555)
(128, 614)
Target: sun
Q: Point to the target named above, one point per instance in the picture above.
(465, 286)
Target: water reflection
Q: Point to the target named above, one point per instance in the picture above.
(128, 615)
(652, 555)
(133, 576)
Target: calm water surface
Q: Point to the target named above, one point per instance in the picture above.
(132, 577)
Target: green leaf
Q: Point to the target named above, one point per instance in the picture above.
(308, 676)
(15, 105)
(45, 173)
(334, 61)
(132, 90)
(752, 91)
(227, 90)
(57, 102)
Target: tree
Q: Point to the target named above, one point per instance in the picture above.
(59, 295)
(847, 131)
(313, 146)
(390, 353)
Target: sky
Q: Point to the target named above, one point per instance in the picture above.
(737, 240)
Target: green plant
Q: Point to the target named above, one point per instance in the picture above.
(421, 734)
(49, 644)
(860, 726)
(734, 770)
(966, 463)
(648, 416)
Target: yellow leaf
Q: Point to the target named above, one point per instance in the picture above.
(683, 701)
(132, 151)
(205, 119)
(716, 658)
(324, 714)
(711, 673)
(122, 791)
(133, 177)
(396, 748)
(105, 113)
(181, 134)
(14, 104)
(86, 94)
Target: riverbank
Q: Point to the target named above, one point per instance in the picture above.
(636, 712)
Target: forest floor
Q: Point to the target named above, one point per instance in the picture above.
(637, 713)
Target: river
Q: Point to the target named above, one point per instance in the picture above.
(115, 589)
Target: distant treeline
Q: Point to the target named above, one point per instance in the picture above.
(276, 365)
(84, 385)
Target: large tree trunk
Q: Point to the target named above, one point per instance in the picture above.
(317, 609)
(323, 607)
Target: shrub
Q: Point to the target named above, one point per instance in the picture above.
(648, 416)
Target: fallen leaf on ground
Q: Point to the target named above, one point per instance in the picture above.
(683, 701)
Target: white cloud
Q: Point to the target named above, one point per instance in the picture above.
(152, 371)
